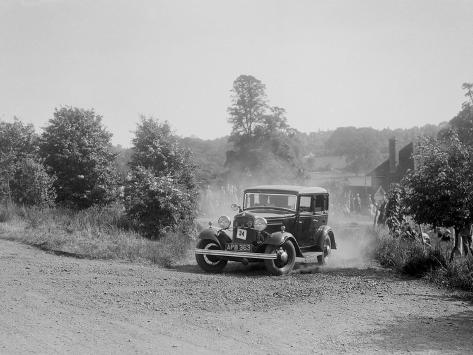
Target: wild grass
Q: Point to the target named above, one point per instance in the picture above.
(413, 258)
(95, 233)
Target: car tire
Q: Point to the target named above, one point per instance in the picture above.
(210, 263)
(326, 251)
(276, 268)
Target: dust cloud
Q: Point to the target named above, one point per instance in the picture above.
(356, 243)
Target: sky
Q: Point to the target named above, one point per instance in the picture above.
(378, 63)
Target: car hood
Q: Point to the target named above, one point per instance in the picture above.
(269, 215)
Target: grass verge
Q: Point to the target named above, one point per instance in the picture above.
(415, 259)
(95, 233)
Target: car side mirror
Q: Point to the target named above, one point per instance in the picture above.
(235, 207)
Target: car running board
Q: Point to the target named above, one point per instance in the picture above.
(308, 257)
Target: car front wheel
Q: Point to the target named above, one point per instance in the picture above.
(285, 261)
(209, 263)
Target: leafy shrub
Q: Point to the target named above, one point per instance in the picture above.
(160, 192)
(408, 256)
(158, 204)
(458, 274)
(413, 258)
(420, 264)
(32, 185)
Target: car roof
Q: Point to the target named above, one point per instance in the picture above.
(288, 189)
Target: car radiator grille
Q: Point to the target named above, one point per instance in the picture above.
(243, 222)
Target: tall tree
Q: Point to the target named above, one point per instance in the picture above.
(262, 139)
(77, 150)
(248, 105)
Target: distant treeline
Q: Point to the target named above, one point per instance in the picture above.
(361, 148)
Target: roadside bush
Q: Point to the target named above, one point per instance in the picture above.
(407, 256)
(413, 258)
(457, 274)
(157, 205)
(32, 185)
(160, 192)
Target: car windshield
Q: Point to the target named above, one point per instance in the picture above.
(272, 200)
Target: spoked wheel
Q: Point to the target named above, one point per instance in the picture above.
(210, 263)
(327, 250)
(286, 258)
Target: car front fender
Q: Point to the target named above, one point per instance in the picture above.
(279, 238)
(221, 237)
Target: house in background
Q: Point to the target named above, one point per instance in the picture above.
(394, 168)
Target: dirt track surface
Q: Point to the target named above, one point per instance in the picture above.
(55, 304)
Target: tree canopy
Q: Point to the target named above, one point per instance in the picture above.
(263, 142)
(440, 190)
(248, 105)
(18, 139)
(77, 149)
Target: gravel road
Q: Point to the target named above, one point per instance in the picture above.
(56, 304)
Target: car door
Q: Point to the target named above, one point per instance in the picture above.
(305, 223)
(320, 210)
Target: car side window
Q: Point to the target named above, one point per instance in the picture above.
(321, 203)
(305, 204)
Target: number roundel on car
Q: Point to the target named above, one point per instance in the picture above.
(241, 233)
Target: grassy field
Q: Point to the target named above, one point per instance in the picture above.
(96, 233)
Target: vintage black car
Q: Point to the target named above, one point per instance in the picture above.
(277, 224)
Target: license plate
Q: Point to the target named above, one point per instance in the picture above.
(241, 233)
(238, 247)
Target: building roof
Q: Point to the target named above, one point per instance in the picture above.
(288, 189)
(404, 162)
(381, 170)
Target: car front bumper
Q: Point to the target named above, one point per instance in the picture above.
(236, 254)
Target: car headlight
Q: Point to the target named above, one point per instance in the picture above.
(224, 222)
(260, 224)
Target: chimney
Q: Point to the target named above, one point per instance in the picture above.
(393, 158)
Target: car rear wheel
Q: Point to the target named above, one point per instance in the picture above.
(326, 250)
(285, 261)
(210, 263)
